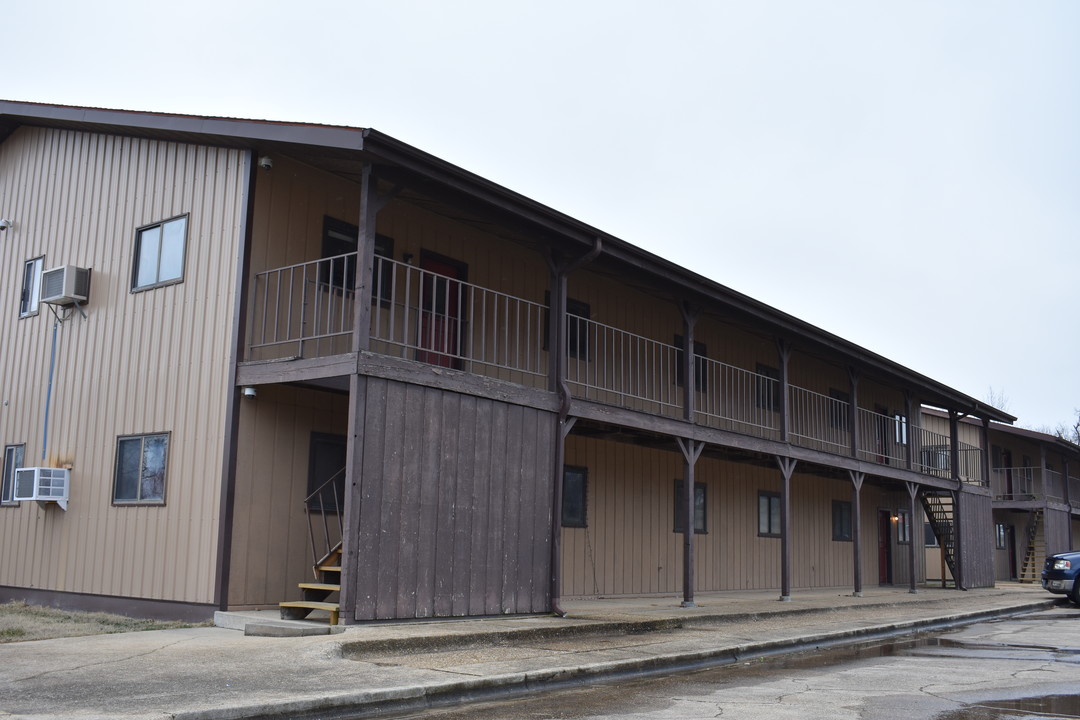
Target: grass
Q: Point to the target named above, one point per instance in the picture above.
(20, 622)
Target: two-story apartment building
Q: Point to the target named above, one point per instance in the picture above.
(309, 346)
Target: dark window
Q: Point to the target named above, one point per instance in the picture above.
(575, 496)
(838, 413)
(768, 524)
(339, 248)
(903, 527)
(141, 461)
(13, 460)
(577, 331)
(31, 287)
(699, 507)
(841, 520)
(768, 387)
(701, 374)
(159, 254)
(326, 472)
(929, 538)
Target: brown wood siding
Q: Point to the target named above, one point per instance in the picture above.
(147, 362)
(1057, 532)
(455, 505)
(271, 549)
(629, 546)
(976, 539)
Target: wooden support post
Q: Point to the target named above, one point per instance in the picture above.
(909, 451)
(365, 260)
(557, 384)
(853, 411)
(857, 479)
(691, 450)
(1068, 495)
(784, 348)
(958, 540)
(1046, 489)
(689, 362)
(984, 440)
(954, 445)
(787, 469)
(913, 492)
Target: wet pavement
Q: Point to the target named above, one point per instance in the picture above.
(217, 673)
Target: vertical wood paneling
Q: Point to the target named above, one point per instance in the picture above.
(479, 487)
(154, 361)
(976, 539)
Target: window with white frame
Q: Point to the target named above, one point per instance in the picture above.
(30, 297)
(13, 460)
(159, 254)
(1001, 534)
(903, 527)
(141, 461)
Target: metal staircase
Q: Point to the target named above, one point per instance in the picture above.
(939, 510)
(1035, 553)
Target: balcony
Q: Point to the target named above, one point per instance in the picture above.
(306, 311)
(1020, 484)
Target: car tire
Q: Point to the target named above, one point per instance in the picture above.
(1074, 594)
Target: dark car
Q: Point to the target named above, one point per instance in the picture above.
(1059, 575)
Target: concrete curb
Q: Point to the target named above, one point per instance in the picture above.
(355, 704)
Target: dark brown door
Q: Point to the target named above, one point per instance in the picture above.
(884, 547)
(441, 303)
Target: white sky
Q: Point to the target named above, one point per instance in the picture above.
(903, 173)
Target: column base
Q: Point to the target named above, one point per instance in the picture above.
(785, 598)
(857, 594)
(688, 604)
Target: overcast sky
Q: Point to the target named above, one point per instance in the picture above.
(904, 174)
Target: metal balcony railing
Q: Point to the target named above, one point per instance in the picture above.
(307, 310)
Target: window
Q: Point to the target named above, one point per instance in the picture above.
(159, 254)
(841, 520)
(701, 380)
(900, 421)
(31, 287)
(140, 469)
(935, 458)
(903, 527)
(341, 238)
(699, 507)
(577, 332)
(1000, 534)
(326, 472)
(929, 538)
(767, 387)
(13, 460)
(768, 519)
(574, 496)
(838, 409)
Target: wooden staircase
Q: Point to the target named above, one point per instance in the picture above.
(327, 583)
(940, 512)
(1035, 554)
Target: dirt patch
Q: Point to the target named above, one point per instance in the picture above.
(20, 622)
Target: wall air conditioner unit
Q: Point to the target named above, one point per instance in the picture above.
(65, 285)
(42, 484)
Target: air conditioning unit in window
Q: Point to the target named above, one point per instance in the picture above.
(42, 484)
(65, 285)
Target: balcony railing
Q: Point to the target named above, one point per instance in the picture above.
(307, 310)
(1029, 483)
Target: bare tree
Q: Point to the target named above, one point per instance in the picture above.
(998, 399)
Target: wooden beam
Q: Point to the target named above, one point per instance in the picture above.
(857, 479)
(784, 349)
(853, 410)
(787, 469)
(365, 260)
(913, 492)
(691, 450)
(690, 315)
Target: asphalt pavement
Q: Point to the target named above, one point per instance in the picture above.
(269, 669)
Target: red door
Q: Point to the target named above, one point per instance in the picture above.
(884, 547)
(441, 301)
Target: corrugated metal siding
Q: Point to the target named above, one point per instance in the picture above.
(455, 505)
(630, 547)
(271, 550)
(154, 361)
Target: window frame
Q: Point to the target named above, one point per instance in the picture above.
(763, 398)
(332, 443)
(341, 237)
(903, 527)
(577, 333)
(839, 416)
(930, 539)
(702, 505)
(17, 453)
(139, 501)
(25, 310)
(135, 286)
(1001, 536)
(580, 498)
(701, 373)
(900, 422)
(841, 521)
(770, 496)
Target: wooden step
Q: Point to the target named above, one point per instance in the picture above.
(328, 568)
(331, 607)
(328, 587)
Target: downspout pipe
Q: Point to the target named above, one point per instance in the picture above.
(557, 384)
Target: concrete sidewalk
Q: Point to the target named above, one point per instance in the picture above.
(204, 673)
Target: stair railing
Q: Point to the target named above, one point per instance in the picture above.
(316, 504)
